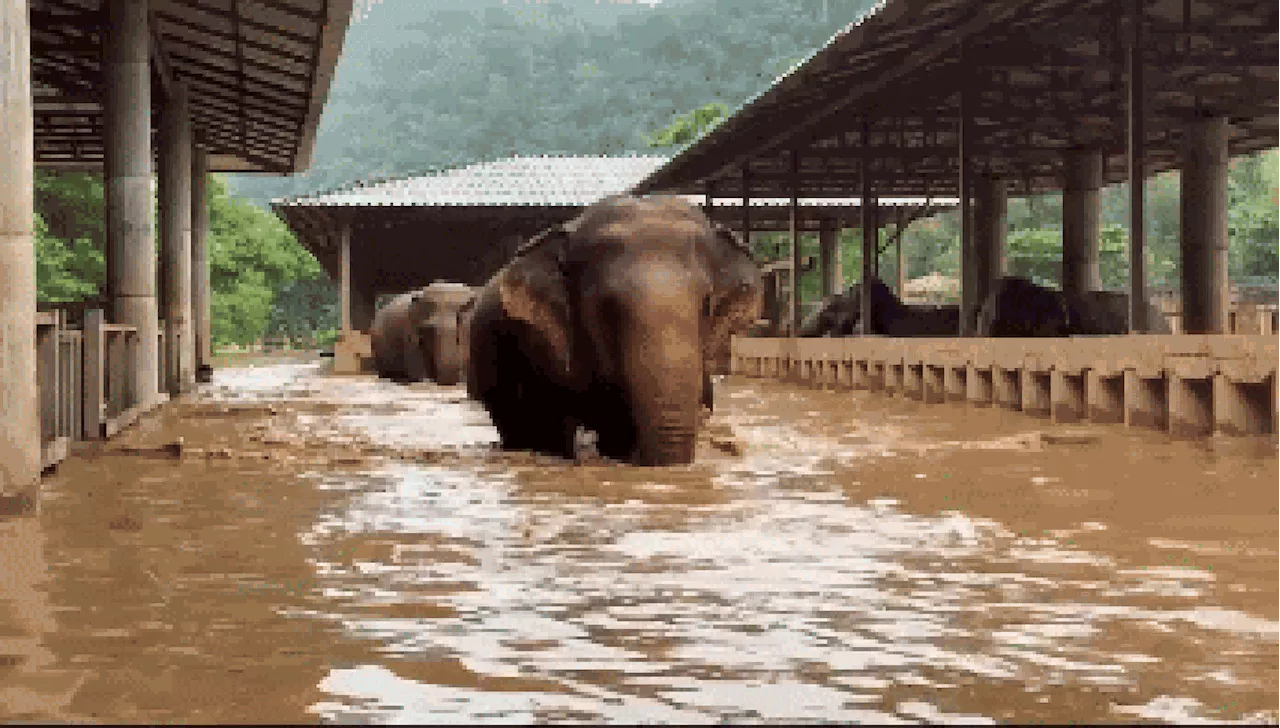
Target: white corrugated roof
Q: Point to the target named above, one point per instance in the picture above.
(572, 181)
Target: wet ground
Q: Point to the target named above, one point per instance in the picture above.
(287, 547)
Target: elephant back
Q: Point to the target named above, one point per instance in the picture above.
(1017, 307)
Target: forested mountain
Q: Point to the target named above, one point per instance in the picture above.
(430, 83)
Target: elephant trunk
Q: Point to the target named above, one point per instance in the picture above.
(665, 377)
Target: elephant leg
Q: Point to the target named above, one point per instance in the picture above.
(528, 418)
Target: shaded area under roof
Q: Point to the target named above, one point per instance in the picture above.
(463, 224)
(258, 71)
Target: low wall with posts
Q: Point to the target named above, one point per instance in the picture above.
(84, 379)
(1187, 384)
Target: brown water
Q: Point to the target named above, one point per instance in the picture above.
(347, 550)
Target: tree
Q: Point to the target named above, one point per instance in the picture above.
(688, 127)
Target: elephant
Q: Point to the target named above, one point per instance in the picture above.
(433, 317)
(463, 318)
(1107, 313)
(608, 323)
(397, 353)
(1018, 307)
(840, 315)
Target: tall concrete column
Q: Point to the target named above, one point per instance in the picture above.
(990, 222)
(131, 251)
(1205, 287)
(175, 240)
(200, 291)
(1082, 179)
(344, 276)
(829, 257)
(19, 399)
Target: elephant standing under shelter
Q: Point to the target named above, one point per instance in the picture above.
(1018, 307)
(608, 322)
(841, 314)
(1101, 313)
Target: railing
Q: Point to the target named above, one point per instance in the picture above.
(53, 388)
(84, 377)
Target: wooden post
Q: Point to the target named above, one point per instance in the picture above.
(344, 285)
(795, 242)
(94, 357)
(868, 233)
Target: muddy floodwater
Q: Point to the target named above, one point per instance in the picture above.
(286, 546)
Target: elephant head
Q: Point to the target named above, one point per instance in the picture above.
(628, 301)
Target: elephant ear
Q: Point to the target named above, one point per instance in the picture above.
(737, 291)
(533, 290)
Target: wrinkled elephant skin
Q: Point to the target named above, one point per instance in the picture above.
(609, 322)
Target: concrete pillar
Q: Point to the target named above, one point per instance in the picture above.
(829, 257)
(175, 240)
(968, 302)
(200, 292)
(1081, 180)
(19, 398)
(990, 217)
(1205, 287)
(1136, 153)
(344, 276)
(131, 250)
(868, 251)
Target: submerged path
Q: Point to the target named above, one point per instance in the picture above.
(288, 546)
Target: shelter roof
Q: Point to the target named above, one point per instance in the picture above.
(258, 71)
(1038, 77)
(541, 181)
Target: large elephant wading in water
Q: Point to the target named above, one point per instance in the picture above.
(608, 322)
(394, 337)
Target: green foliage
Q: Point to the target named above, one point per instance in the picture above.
(262, 281)
(688, 127)
(254, 258)
(66, 270)
(425, 85)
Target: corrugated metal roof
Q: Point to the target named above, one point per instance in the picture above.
(514, 182)
(571, 181)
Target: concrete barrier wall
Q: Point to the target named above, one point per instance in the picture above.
(1183, 384)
